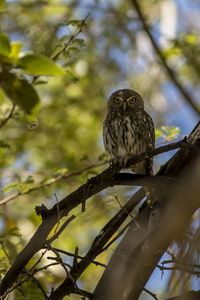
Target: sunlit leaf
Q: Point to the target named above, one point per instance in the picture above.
(9, 187)
(192, 39)
(4, 44)
(15, 49)
(19, 91)
(167, 133)
(60, 170)
(158, 133)
(39, 65)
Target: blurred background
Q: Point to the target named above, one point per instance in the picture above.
(45, 158)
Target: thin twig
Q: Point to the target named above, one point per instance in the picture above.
(72, 37)
(58, 232)
(38, 261)
(4, 121)
(45, 267)
(67, 44)
(169, 71)
(75, 258)
(179, 268)
(81, 257)
(37, 283)
(121, 206)
(50, 182)
(117, 236)
(150, 293)
(69, 275)
(84, 294)
(59, 216)
(58, 259)
(180, 263)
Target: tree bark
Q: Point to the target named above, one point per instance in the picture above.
(140, 250)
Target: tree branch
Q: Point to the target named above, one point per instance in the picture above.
(4, 121)
(169, 71)
(140, 259)
(128, 252)
(67, 44)
(50, 182)
(93, 186)
(180, 159)
(180, 268)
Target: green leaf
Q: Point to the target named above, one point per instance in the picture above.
(2, 3)
(39, 65)
(9, 187)
(192, 39)
(158, 133)
(73, 49)
(4, 44)
(79, 42)
(167, 133)
(15, 49)
(29, 180)
(20, 92)
(60, 170)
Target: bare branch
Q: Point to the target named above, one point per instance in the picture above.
(170, 72)
(81, 257)
(84, 192)
(179, 268)
(58, 232)
(128, 252)
(4, 121)
(150, 293)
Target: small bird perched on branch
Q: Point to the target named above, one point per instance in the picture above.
(128, 130)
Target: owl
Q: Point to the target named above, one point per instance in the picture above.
(128, 129)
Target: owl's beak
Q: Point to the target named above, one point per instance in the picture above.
(124, 106)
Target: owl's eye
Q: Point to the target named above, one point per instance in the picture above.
(117, 99)
(131, 100)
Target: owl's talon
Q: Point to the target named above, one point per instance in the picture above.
(124, 160)
(119, 161)
(113, 161)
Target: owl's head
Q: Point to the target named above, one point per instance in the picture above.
(125, 101)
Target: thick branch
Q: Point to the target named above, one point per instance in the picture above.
(142, 180)
(169, 71)
(181, 158)
(128, 252)
(76, 198)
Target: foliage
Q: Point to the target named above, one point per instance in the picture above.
(58, 63)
